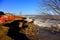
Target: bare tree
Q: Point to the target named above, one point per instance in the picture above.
(53, 5)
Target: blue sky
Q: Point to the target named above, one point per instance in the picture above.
(27, 7)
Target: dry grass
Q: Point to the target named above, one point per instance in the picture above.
(3, 33)
(32, 32)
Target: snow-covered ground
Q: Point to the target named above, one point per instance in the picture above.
(47, 23)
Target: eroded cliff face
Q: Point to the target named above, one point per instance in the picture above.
(30, 30)
(25, 29)
(16, 26)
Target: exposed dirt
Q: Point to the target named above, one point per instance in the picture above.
(32, 32)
